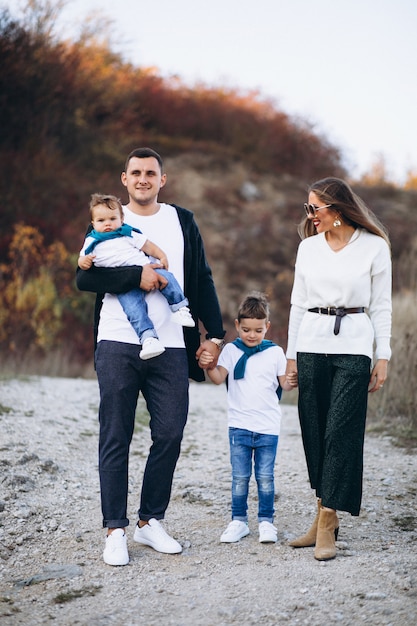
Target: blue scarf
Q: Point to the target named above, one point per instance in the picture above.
(123, 231)
(240, 367)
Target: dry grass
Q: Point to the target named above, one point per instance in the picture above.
(55, 363)
(395, 410)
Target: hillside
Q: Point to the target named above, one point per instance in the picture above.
(249, 224)
(70, 112)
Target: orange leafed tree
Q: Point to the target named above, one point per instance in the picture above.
(35, 287)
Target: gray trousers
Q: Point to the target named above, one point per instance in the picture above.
(163, 382)
(333, 399)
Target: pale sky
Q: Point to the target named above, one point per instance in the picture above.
(349, 67)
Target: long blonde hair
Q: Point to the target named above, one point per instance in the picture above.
(347, 204)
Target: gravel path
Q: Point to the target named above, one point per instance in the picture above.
(51, 538)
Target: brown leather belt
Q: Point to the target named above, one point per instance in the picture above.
(339, 311)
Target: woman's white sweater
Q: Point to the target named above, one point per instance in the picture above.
(359, 275)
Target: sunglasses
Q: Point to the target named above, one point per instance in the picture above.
(311, 210)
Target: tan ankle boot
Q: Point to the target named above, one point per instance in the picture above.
(309, 539)
(326, 535)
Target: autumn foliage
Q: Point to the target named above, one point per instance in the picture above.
(69, 114)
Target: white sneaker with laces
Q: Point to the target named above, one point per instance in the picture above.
(235, 531)
(267, 533)
(151, 347)
(183, 317)
(115, 551)
(154, 535)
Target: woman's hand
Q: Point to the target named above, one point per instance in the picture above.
(379, 375)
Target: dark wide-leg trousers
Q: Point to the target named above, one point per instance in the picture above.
(163, 382)
(333, 397)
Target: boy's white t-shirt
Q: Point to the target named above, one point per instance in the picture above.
(164, 229)
(252, 401)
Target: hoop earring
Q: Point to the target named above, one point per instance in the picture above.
(337, 223)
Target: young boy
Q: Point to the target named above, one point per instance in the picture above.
(112, 244)
(254, 367)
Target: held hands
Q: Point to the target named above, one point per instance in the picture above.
(207, 355)
(291, 373)
(205, 359)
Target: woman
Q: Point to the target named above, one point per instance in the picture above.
(340, 310)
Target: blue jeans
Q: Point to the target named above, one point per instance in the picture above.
(163, 382)
(245, 444)
(134, 305)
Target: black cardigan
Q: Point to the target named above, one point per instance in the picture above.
(198, 288)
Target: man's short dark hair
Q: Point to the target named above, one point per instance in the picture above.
(144, 153)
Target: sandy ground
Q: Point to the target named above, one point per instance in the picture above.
(51, 538)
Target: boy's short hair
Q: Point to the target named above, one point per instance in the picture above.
(254, 306)
(111, 202)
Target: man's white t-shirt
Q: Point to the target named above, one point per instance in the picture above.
(252, 401)
(164, 229)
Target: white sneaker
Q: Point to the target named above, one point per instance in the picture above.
(154, 535)
(235, 531)
(115, 551)
(183, 317)
(151, 347)
(267, 533)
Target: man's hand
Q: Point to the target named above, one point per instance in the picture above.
(150, 280)
(208, 346)
(205, 359)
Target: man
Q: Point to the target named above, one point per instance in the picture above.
(162, 380)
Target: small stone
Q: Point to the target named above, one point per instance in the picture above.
(375, 595)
